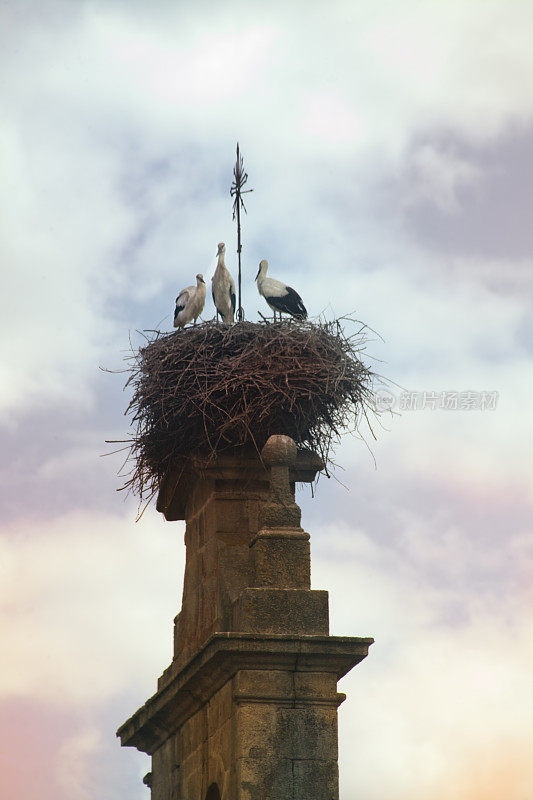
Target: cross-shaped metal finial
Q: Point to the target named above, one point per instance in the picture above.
(236, 191)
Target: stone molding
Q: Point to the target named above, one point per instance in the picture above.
(181, 695)
(176, 485)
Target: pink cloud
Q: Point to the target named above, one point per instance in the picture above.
(31, 736)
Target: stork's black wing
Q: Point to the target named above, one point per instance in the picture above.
(181, 302)
(290, 303)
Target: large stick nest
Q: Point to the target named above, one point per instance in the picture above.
(212, 387)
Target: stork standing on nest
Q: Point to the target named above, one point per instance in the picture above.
(279, 296)
(190, 303)
(223, 288)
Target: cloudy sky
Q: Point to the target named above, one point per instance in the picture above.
(390, 149)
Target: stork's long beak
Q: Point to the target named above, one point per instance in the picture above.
(258, 271)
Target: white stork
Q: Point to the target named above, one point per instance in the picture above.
(190, 303)
(278, 295)
(223, 288)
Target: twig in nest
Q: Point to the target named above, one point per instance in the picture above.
(210, 388)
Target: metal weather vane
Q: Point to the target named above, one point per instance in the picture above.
(236, 191)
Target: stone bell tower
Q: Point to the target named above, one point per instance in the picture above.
(247, 710)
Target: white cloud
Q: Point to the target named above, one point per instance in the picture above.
(61, 220)
(438, 176)
(86, 600)
(330, 121)
(192, 70)
(432, 695)
(97, 100)
(446, 332)
(74, 763)
(119, 127)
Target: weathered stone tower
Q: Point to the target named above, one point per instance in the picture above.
(247, 710)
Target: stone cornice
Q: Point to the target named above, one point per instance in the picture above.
(183, 692)
(176, 484)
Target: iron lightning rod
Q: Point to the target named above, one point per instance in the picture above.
(236, 191)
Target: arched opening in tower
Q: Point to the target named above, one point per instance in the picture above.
(213, 793)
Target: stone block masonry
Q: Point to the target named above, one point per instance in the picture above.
(247, 710)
